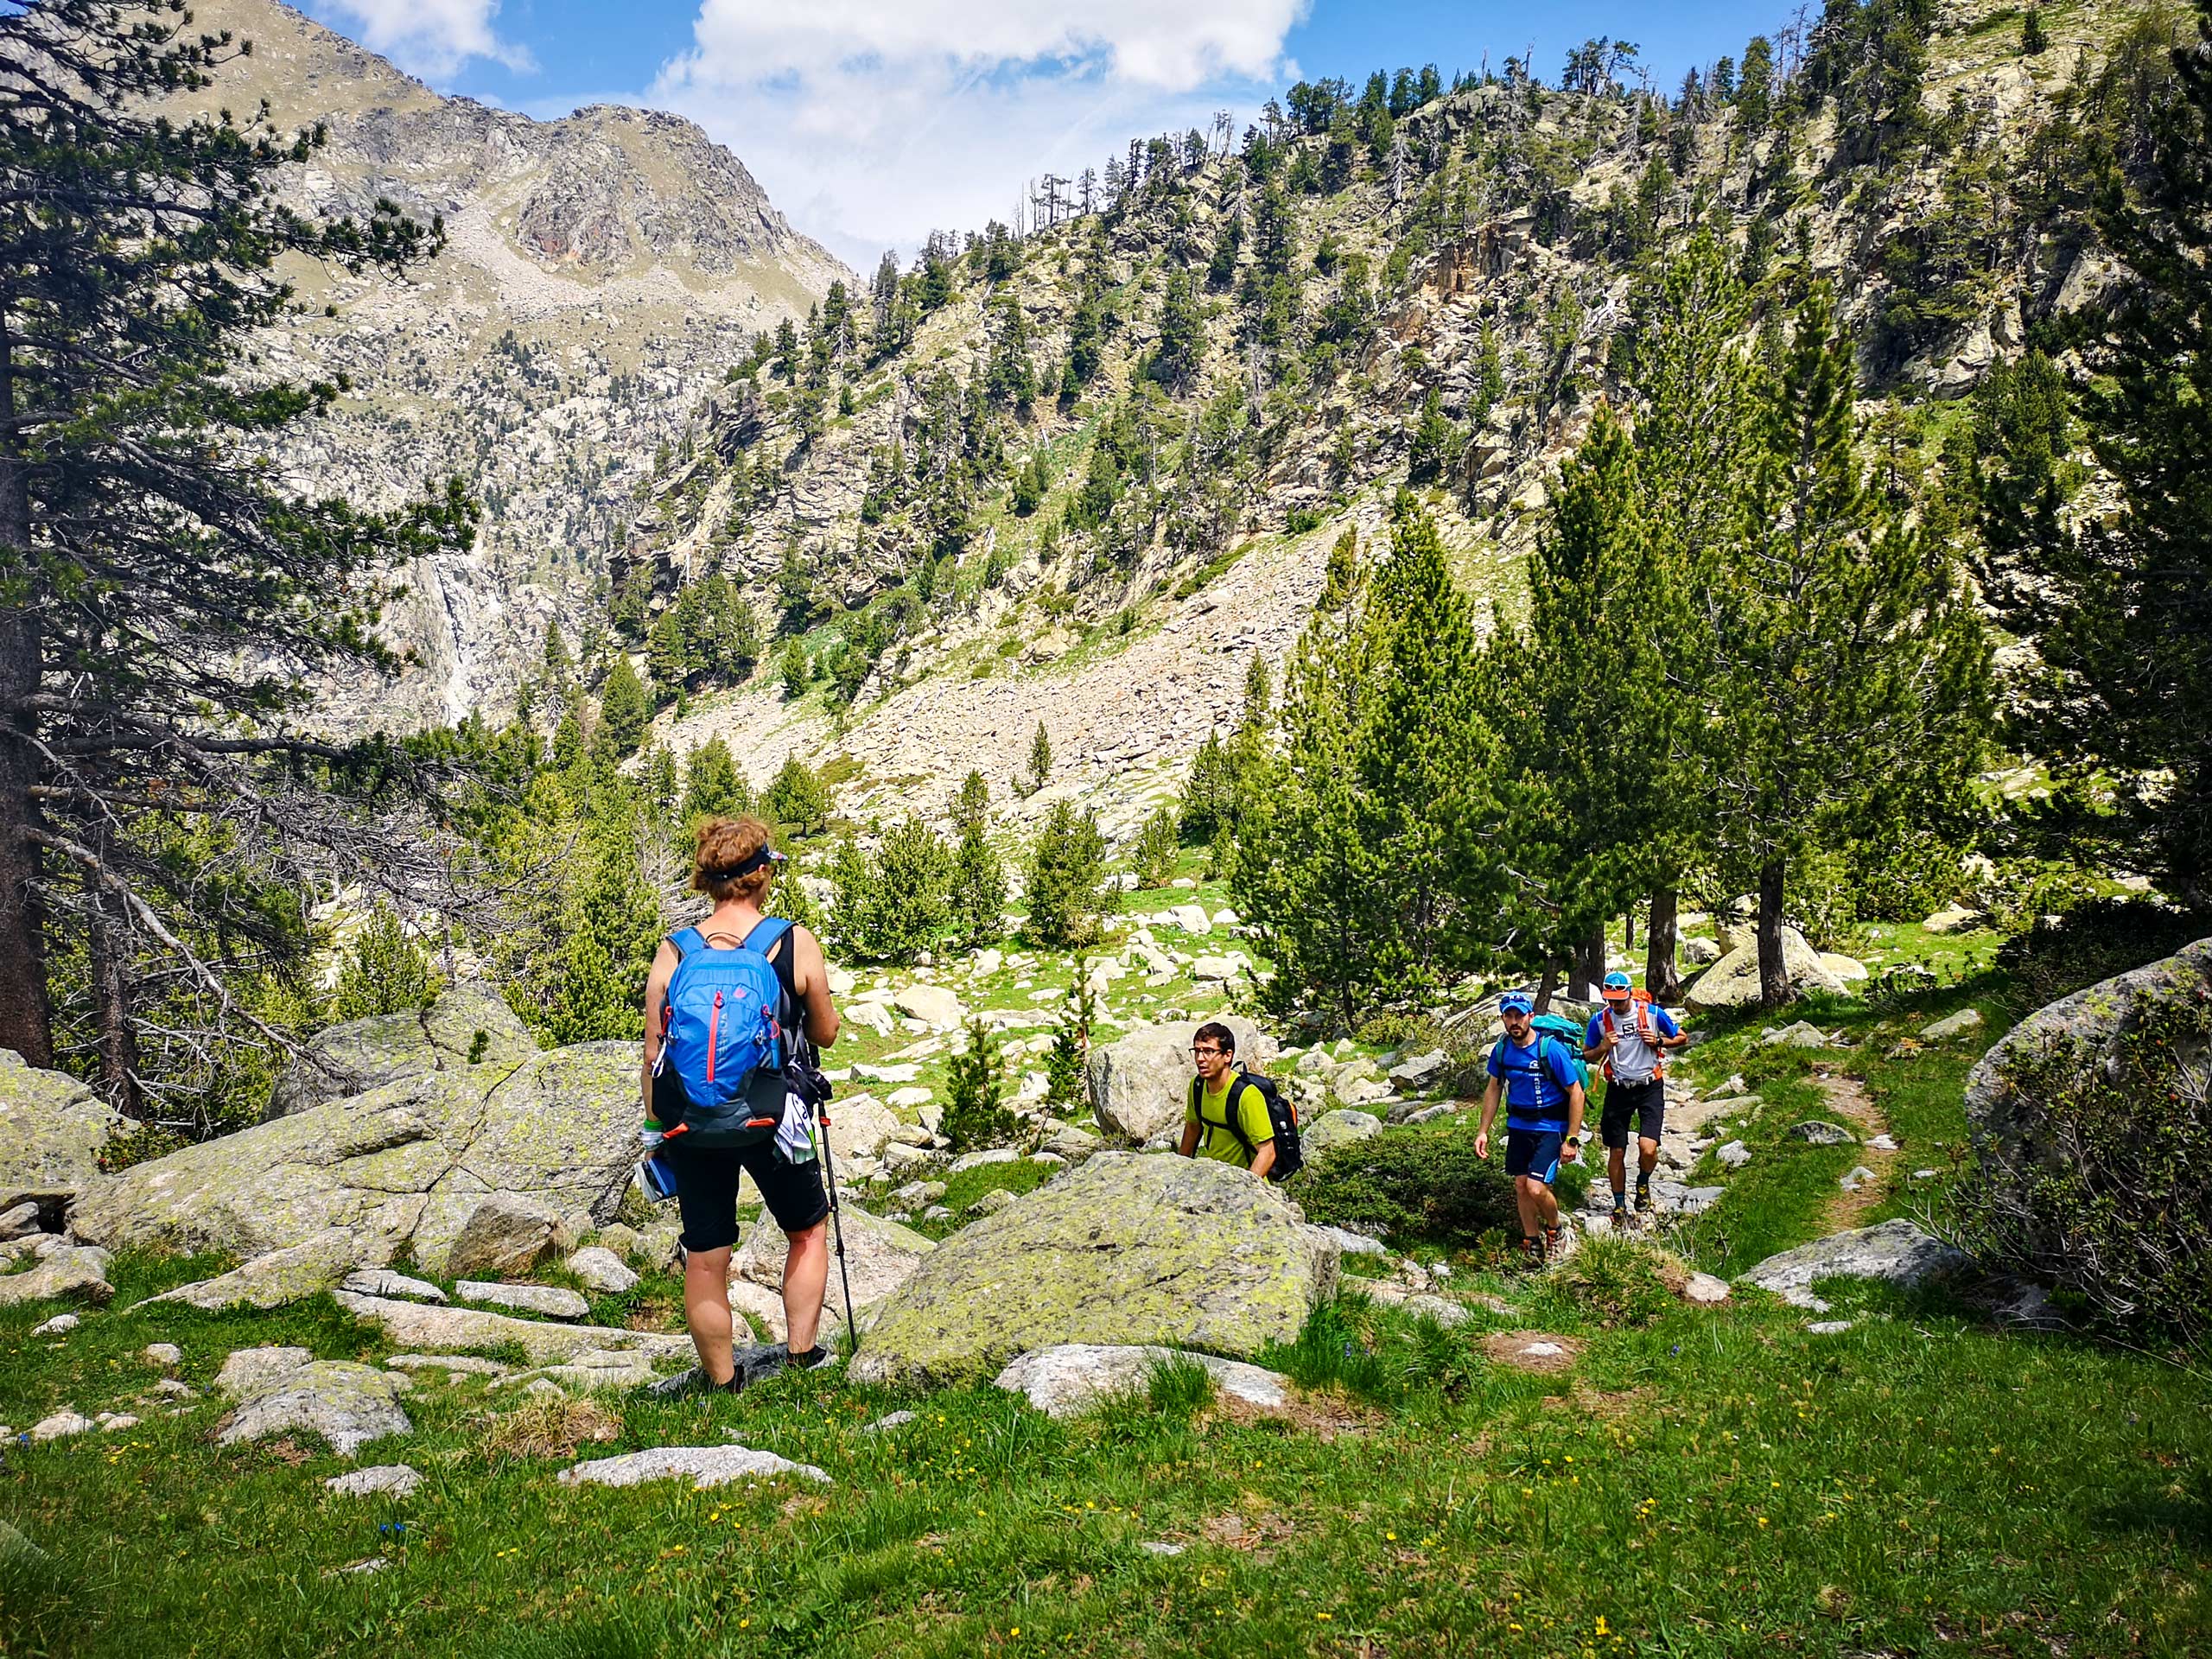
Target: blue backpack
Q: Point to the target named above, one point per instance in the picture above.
(720, 1071)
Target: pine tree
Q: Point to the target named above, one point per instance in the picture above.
(656, 778)
(1153, 853)
(2034, 40)
(1180, 351)
(972, 806)
(1040, 758)
(978, 895)
(852, 895)
(1434, 443)
(713, 786)
(796, 796)
(792, 668)
(623, 710)
(974, 1084)
(1065, 891)
(609, 925)
(1067, 1060)
(2119, 612)
(385, 970)
(167, 606)
(1850, 676)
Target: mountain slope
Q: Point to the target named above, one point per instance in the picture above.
(1440, 299)
(599, 272)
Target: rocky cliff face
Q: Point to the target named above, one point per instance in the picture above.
(601, 272)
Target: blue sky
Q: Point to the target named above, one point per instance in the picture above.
(871, 122)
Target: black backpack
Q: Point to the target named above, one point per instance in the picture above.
(1282, 1116)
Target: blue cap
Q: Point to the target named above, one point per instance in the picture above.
(1516, 1002)
(1616, 982)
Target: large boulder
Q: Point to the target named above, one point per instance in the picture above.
(1897, 1251)
(1733, 981)
(1138, 1085)
(56, 1269)
(1127, 1249)
(404, 1166)
(52, 1128)
(347, 1404)
(465, 1025)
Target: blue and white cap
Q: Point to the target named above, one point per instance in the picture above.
(1616, 982)
(1516, 1002)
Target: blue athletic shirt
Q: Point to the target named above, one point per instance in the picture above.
(1537, 1081)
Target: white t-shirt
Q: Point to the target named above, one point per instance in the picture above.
(1633, 1059)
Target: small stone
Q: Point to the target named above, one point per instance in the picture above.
(893, 1420)
(602, 1269)
(1416, 1072)
(703, 1465)
(1735, 1155)
(60, 1325)
(1883, 1143)
(505, 1233)
(1820, 1133)
(1049, 1160)
(910, 1097)
(374, 1564)
(936, 1212)
(1956, 1025)
(1828, 1327)
(114, 1422)
(1802, 1034)
(167, 1355)
(1705, 1290)
(1067, 1378)
(169, 1388)
(348, 1405)
(1857, 1177)
(554, 1301)
(977, 1159)
(60, 1425)
(992, 1202)
(1925, 1174)
(391, 1479)
(1154, 1547)
(21, 1221)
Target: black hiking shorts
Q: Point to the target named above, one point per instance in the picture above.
(1643, 1104)
(706, 1189)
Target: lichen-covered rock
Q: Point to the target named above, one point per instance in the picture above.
(466, 1025)
(404, 1167)
(504, 1233)
(1337, 1128)
(79, 1272)
(601, 1269)
(880, 1256)
(347, 1404)
(1127, 1249)
(552, 1302)
(382, 1480)
(1138, 1085)
(1733, 981)
(276, 1277)
(52, 1128)
(1070, 1378)
(445, 1330)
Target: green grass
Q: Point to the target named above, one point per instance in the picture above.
(1705, 1482)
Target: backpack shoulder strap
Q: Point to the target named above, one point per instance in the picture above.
(686, 940)
(762, 940)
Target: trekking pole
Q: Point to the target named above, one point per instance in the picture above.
(837, 1233)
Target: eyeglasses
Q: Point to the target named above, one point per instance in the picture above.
(1206, 1054)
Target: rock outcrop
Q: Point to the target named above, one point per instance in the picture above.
(52, 1128)
(1126, 1250)
(286, 1390)
(55, 1269)
(465, 1025)
(1897, 1251)
(1070, 1379)
(406, 1166)
(1138, 1085)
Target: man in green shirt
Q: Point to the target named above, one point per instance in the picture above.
(1220, 1090)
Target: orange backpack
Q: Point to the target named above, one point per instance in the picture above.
(1640, 1001)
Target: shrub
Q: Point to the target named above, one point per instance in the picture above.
(890, 906)
(385, 971)
(1614, 1282)
(1412, 1187)
(2109, 1199)
(1065, 1060)
(1157, 845)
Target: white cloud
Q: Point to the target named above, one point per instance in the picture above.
(432, 38)
(879, 120)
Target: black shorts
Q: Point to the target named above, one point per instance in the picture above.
(1534, 1153)
(1644, 1103)
(706, 1189)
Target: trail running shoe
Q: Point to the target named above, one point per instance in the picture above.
(1643, 1197)
(685, 1384)
(1532, 1254)
(1554, 1246)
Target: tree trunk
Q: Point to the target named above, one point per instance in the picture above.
(26, 1023)
(1628, 929)
(1775, 989)
(109, 947)
(1589, 963)
(1660, 977)
(1545, 983)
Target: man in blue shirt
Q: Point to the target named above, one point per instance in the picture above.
(1543, 1119)
(1632, 1035)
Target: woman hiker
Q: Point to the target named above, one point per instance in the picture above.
(734, 865)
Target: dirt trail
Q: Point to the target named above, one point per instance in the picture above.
(1847, 1098)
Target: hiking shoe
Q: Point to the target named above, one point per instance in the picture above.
(1532, 1254)
(1644, 1197)
(1553, 1244)
(756, 1364)
(685, 1384)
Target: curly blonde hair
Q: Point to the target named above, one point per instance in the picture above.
(723, 845)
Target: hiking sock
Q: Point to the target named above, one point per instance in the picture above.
(1620, 1200)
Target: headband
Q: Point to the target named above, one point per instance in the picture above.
(764, 853)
